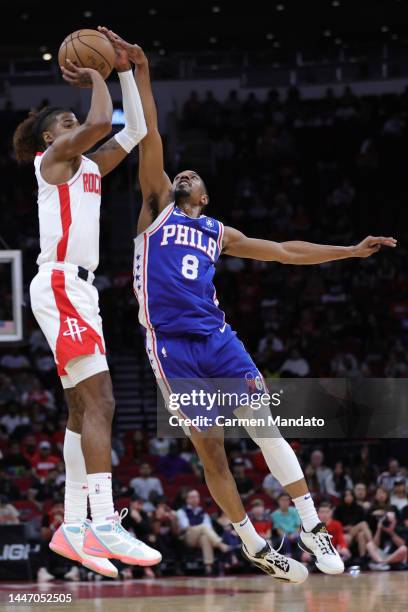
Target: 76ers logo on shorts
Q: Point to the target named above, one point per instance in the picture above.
(74, 331)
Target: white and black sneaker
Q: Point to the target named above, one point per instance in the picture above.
(273, 563)
(318, 543)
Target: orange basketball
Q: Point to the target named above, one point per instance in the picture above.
(90, 49)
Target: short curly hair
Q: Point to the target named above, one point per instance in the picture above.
(27, 139)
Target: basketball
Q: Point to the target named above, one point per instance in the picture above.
(90, 49)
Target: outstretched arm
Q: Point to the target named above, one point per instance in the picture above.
(97, 124)
(154, 182)
(297, 252)
(112, 152)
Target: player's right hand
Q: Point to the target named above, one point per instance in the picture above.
(135, 53)
(77, 76)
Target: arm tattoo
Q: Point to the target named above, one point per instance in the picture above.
(109, 145)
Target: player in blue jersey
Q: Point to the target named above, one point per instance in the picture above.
(187, 337)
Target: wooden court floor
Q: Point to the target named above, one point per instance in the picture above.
(371, 592)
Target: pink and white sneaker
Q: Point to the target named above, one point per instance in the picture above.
(68, 541)
(112, 541)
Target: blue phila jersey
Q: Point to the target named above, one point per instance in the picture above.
(174, 267)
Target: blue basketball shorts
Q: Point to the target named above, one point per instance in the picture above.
(214, 364)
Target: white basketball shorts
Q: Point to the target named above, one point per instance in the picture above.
(67, 310)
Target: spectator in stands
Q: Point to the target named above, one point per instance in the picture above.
(9, 515)
(387, 479)
(286, 521)
(294, 365)
(51, 484)
(360, 492)
(392, 546)
(8, 392)
(352, 516)
(13, 417)
(172, 464)
(380, 507)
(43, 461)
(14, 461)
(399, 497)
(145, 486)
(261, 519)
(37, 394)
(322, 472)
(7, 486)
(272, 486)
(14, 360)
(29, 447)
(164, 535)
(197, 530)
(245, 485)
(338, 481)
(137, 447)
(363, 469)
(159, 446)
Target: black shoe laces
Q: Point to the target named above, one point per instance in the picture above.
(323, 540)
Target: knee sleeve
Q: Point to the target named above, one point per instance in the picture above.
(281, 459)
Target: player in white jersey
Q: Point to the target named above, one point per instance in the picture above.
(65, 304)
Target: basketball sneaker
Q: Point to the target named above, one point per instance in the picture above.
(273, 563)
(68, 541)
(112, 541)
(318, 543)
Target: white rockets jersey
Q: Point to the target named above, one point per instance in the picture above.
(69, 216)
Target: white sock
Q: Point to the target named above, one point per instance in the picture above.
(76, 486)
(246, 531)
(307, 511)
(100, 496)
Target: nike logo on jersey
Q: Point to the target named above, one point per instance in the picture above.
(189, 236)
(222, 329)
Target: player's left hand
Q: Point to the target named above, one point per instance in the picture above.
(122, 61)
(134, 52)
(372, 244)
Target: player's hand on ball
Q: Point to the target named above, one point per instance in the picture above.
(77, 76)
(134, 52)
(372, 244)
(122, 62)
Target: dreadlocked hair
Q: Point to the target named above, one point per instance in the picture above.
(28, 139)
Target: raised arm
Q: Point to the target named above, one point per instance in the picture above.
(154, 182)
(112, 152)
(297, 252)
(97, 124)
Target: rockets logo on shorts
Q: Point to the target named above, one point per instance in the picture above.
(74, 330)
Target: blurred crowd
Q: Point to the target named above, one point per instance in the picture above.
(364, 503)
(330, 170)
